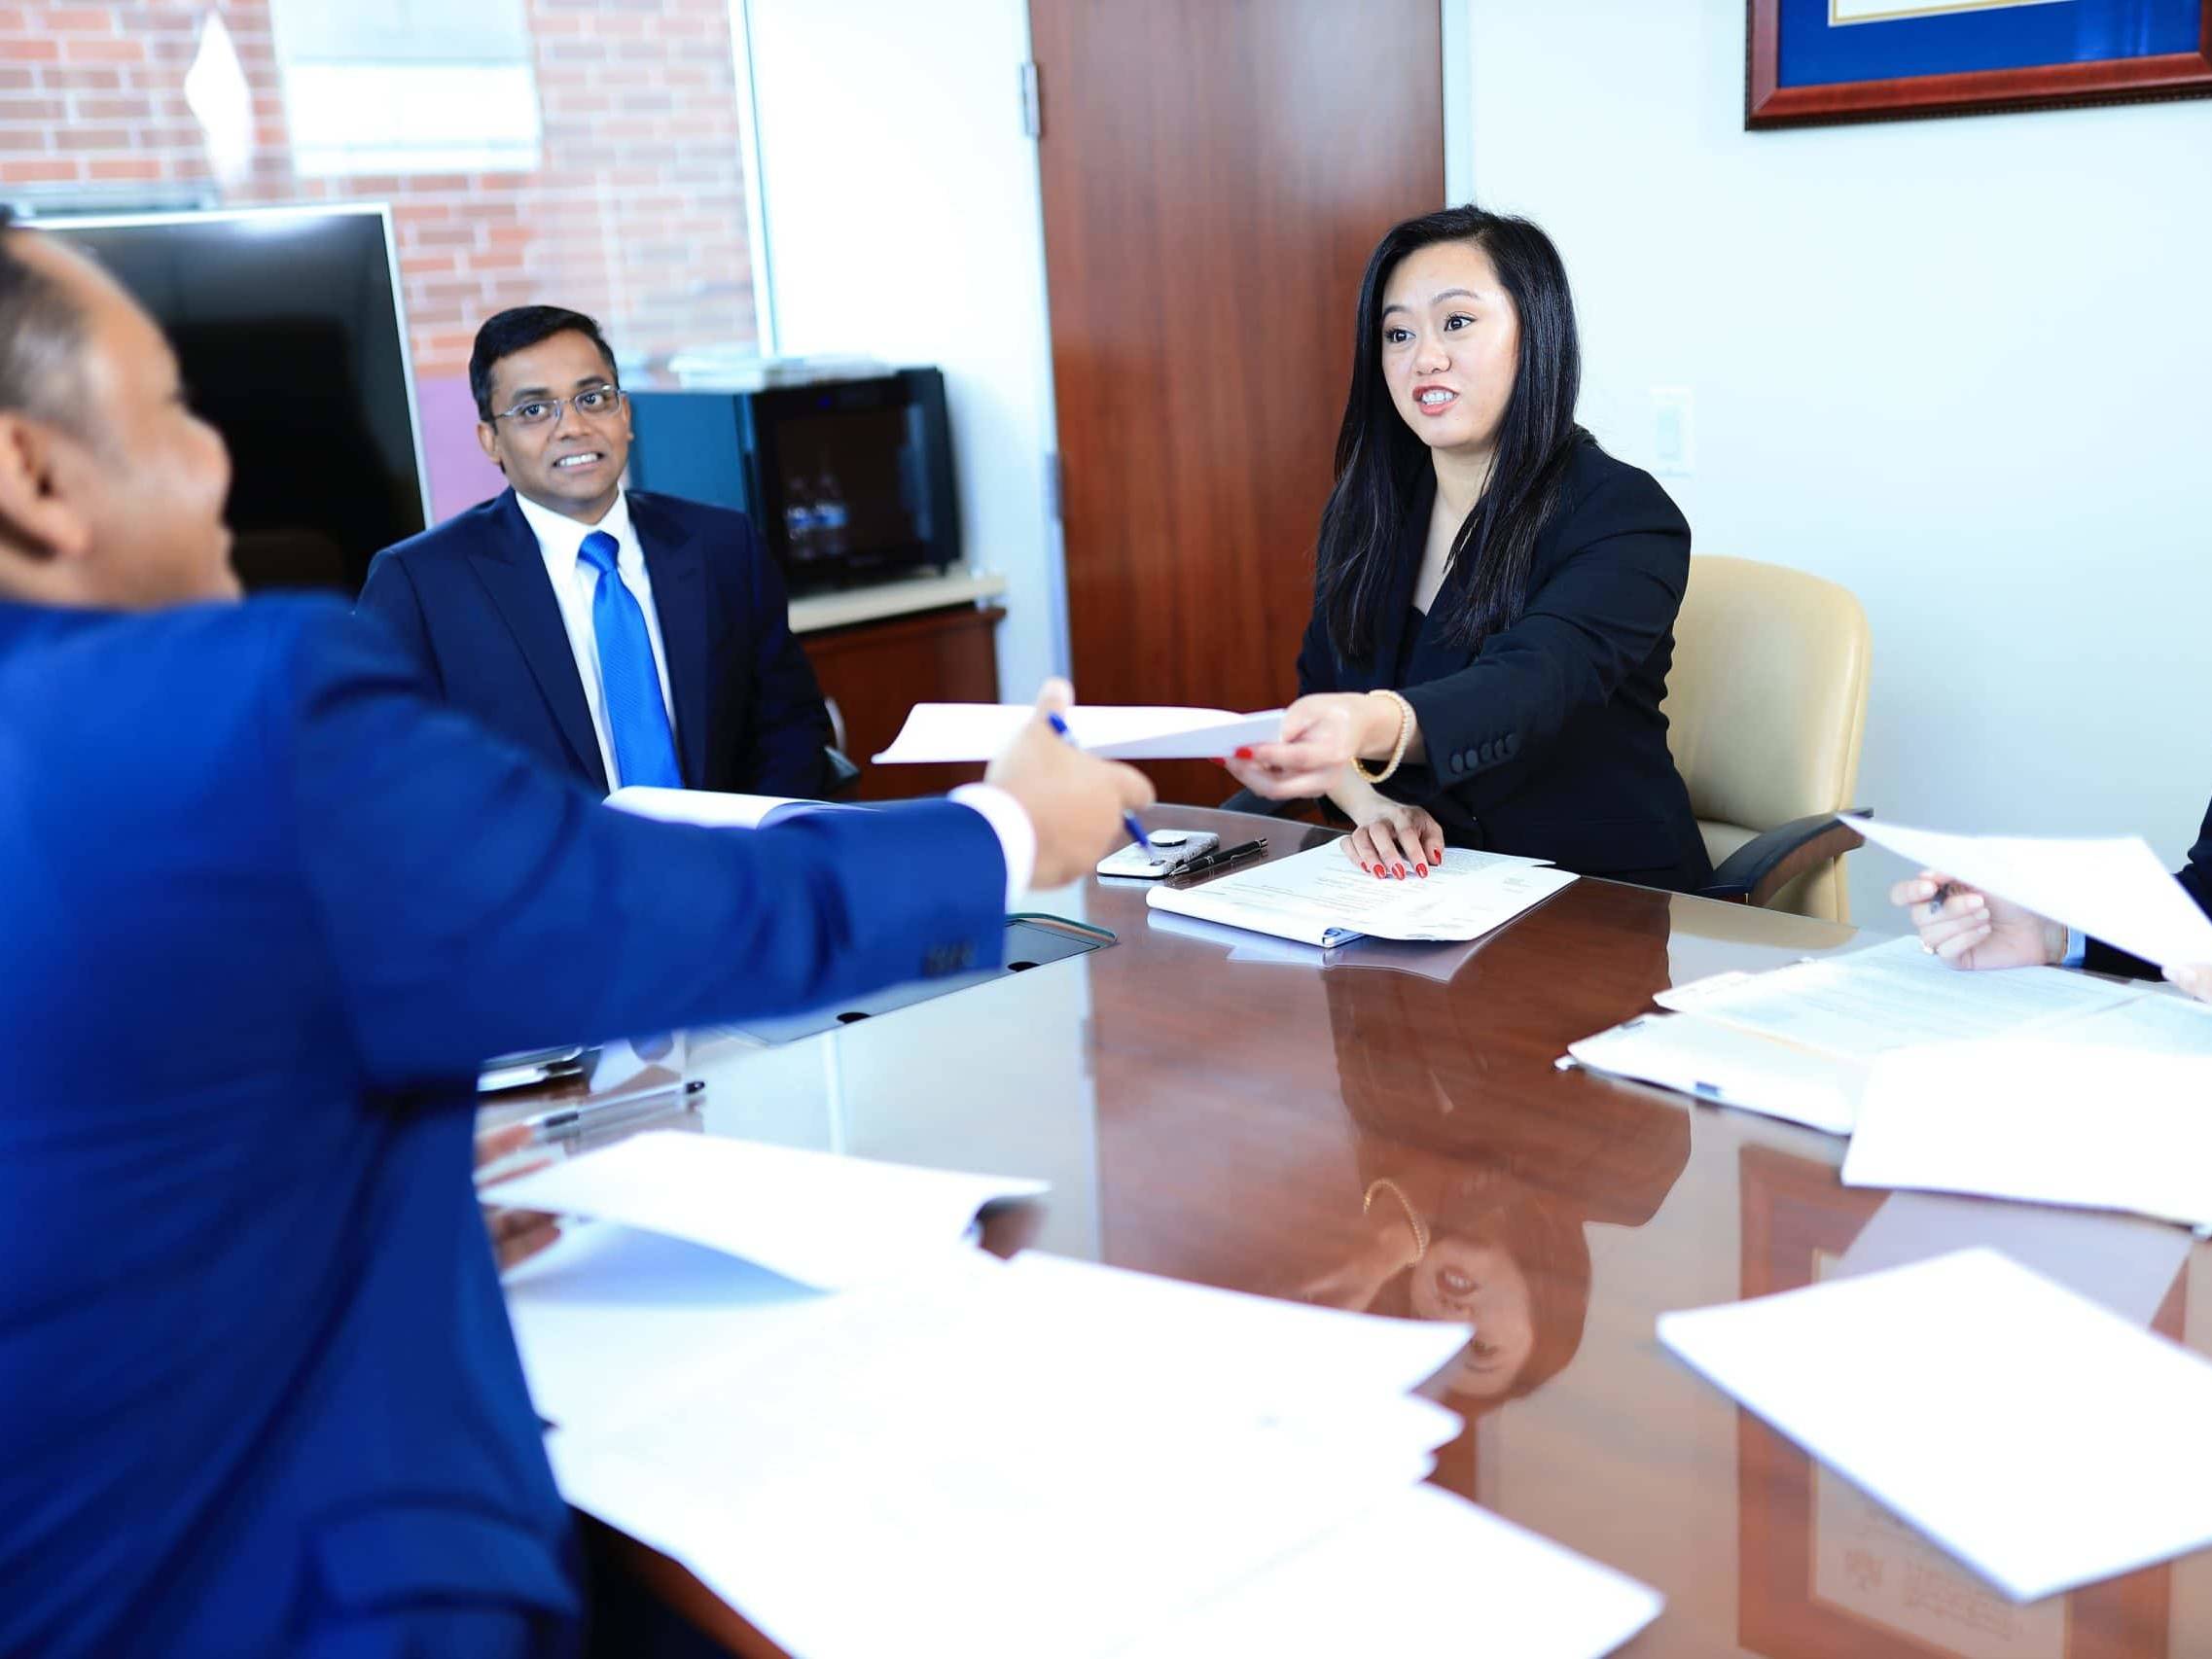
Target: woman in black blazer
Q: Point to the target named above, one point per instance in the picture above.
(1495, 595)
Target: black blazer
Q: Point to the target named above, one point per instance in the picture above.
(1548, 741)
(469, 601)
(2197, 877)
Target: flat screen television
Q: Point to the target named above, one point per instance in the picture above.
(288, 324)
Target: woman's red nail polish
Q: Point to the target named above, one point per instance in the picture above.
(1421, 870)
(1244, 753)
(1401, 872)
(1380, 875)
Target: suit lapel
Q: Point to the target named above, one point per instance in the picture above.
(514, 573)
(676, 563)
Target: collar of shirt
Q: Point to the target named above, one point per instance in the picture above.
(561, 539)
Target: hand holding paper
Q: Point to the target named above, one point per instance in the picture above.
(2114, 889)
(1321, 735)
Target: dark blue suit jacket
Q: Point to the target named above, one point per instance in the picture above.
(2195, 878)
(1547, 739)
(470, 602)
(265, 907)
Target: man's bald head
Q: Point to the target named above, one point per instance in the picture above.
(42, 332)
(111, 490)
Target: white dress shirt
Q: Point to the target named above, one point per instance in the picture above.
(575, 583)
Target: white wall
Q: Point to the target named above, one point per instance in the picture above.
(1962, 367)
(902, 219)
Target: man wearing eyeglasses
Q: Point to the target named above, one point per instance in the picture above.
(621, 637)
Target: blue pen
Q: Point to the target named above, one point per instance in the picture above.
(1128, 818)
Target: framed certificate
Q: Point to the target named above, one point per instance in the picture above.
(1810, 61)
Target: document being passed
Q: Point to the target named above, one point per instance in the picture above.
(815, 1218)
(977, 731)
(1321, 898)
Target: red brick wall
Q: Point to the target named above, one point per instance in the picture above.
(637, 214)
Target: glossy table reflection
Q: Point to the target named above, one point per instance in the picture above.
(1212, 1107)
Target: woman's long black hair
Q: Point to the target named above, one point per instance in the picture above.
(1380, 460)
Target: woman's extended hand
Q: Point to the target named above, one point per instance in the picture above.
(1396, 841)
(1321, 735)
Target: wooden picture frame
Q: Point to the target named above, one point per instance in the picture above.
(1915, 58)
(1794, 1211)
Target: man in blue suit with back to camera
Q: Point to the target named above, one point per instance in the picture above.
(264, 906)
(506, 607)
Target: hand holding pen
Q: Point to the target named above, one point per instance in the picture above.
(1129, 820)
(1078, 804)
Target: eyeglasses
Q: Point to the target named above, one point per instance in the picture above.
(544, 412)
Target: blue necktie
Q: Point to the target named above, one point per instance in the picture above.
(629, 684)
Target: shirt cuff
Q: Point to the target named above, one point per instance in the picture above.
(1009, 823)
(2077, 948)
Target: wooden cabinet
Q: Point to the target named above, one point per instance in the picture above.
(875, 672)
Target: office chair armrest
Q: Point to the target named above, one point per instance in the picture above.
(1764, 866)
(839, 773)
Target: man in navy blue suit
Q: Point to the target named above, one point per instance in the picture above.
(264, 906)
(519, 610)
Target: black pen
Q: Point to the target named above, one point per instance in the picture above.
(1220, 856)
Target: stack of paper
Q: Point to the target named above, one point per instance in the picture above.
(1036, 1457)
(819, 1219)
(2055, 1123)
(977, 732)
(2043, 1439)
(1397, 956)
(1797, 1043)
(1320, 897)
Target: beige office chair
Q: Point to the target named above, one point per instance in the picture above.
(1767, 706)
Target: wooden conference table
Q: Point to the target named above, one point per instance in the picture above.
(1213, 1108)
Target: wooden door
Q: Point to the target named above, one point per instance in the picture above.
(1214, 174)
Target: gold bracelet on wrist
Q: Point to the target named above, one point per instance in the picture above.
(1397, 749)
(1412, 1217)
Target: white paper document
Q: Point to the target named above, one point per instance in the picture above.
(1890, 996)
(977, 731)
(713, 810)
(2053, 1122)
(1048, 1457)
(1321, 898)
(2042, 1440)
(2160, 1021)
(815, 1218)
(1725, 1066)
(1284, 1359)
(1423, 1571)
(2112, 889)
(609, 1319)
(1398, 956)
